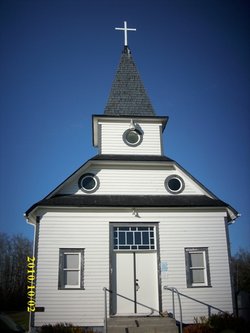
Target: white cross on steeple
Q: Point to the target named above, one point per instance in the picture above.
(125, 29)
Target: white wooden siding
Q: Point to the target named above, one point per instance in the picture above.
(90, 230)
(111, 140)
(195, 230)
(133, 181)
(73, 230)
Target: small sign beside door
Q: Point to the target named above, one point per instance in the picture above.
(164, 266)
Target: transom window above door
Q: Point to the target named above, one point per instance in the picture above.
(134, 238)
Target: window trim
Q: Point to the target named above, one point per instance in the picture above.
(96, 180)
(140, 137)
(62, 269)
(135, 246)
(206, 270)
(169, 178)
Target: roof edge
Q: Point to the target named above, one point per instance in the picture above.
(140, 201)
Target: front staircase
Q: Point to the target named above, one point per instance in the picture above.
(141, 325)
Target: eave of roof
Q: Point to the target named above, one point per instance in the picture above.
(139, 158)
(145, 118)
(129, 201)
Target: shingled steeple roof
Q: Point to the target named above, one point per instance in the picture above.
(128, 96)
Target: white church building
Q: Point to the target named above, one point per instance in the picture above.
(133, 221)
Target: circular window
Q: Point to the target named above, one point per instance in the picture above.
(88, 183)
(132, 137)
(174, 184)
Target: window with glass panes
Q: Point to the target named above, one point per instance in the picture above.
(71, 268)
(197, 267)
(134, 238)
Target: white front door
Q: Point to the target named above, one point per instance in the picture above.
(135, 271)
(136, 279)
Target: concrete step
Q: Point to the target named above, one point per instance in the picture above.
(141, 321)
(142, 330)
(141, 325)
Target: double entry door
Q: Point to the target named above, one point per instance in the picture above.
(135, 270)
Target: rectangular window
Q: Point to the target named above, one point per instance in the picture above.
(197, 267)
(134, 238)
(71, 265)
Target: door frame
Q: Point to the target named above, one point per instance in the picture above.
(112, 260)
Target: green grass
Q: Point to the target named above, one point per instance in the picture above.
(21, 318)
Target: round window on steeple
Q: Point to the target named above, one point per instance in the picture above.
(174, 184)
(88, 183)
(132, 137)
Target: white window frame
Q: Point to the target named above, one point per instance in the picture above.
(77, 269)
(63, 269)
(204, 268)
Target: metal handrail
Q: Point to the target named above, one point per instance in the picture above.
(175, 290)
(129, 299)
(105, 311)
(172, 289)
(197, 301)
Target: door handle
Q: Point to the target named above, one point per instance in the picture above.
(137, 287)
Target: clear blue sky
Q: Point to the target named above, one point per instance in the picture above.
(58, 60)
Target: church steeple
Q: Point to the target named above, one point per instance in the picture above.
(128, 96)
(129, 125)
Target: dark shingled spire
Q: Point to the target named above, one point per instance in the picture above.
(128, 96)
